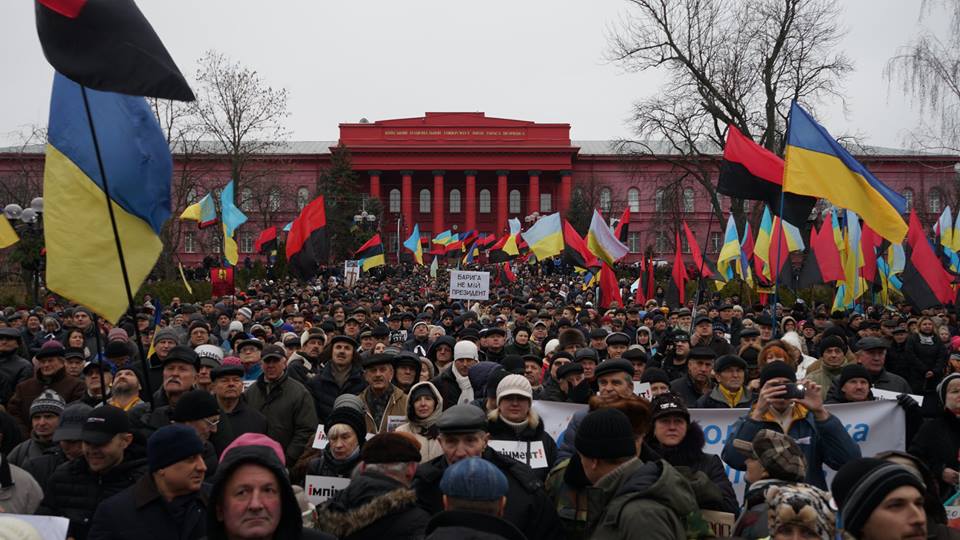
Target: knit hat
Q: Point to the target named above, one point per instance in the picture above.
(245, 311)
(235, 326)
(606, 434)
(465, 349)
(474, 479)
(255, 439)
(351, 417)
(776, 370)
(852, 371)
(166, 333)
(800, 505)
(513, 363)
(47, 402)
(777, 453)
(514, 385)
(312, 333)
(51, 349)
(349, 400)
(655, 375)
(942, 387)
(117, 334)
(210, 355)
(832, 341)
(170, 444)
(551, 346)
(396, 447)
(861, 485)
(669, 404)
(195, 405)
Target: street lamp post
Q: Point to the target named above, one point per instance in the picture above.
(28, 222)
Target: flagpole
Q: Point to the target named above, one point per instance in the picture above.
(776, 270)
(702, 262)
(116, 237)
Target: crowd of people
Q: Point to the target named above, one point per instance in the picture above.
(215, 422)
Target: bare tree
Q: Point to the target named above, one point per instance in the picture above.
(928, 69)
(730, 62)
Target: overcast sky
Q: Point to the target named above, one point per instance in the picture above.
(539, 60)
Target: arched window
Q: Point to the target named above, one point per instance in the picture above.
(246, 242)
(303, 198)
(192, 196)
(484, 201)
(454, 201)
(688, 200)
(633, 199)
(246, 199)
(605, 198)
(394, 201)
(934, 201)
(424, 201)
(514, 201)
(658, 201)
(273, 198)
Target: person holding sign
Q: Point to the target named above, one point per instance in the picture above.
(515, 421)
(423, 410)
(346, 432)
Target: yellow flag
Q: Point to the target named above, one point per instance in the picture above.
(8, 236)
(230, 250)
(184, 278)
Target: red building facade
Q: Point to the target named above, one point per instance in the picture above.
(465, 171)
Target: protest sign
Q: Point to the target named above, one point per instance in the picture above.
(49, 527)
(556, 415)
(321, 488)
(642, 389)
(393, 422)
(351, 273)
(890, 394)
(529, 452)
(720, 523)
(466, 285)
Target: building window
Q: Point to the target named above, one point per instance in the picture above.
(303, 198)
(546, 203)
(424, 201)
(658, 200)
(934, 201)
(685, 245)
(192, 196)
(633, 199)
(660, 244)
(908, 195)
(394, 201)
(454, 201)
(633, 242)
(246, 242)
(515, 201)
(273, 199)
(688, 200)
(392, 245)
(605, 200)
(716, 241)
(216, 239)
(484, 201)
(246, 199)
(189, 243)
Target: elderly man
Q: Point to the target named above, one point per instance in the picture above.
(179, 377)
(164, 340)
(169, 502)
(454, 381)
(291, 416)
(236, 417)
(340, 375)
(615, 380)
(463, 434)
(474, 499)
(696, 383)
(872, 354)
(51, 374)
(14, 369)
(381, 399)
(730, 393)
(249, 350)
(45, 412)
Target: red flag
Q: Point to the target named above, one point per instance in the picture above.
(676, 289)
(511, 277)
(869, 242)
(267, 241)
(622, 227)
(925, 282)
(609, 287)
(702, 268)
(639, 297)
(221, 280)
(651, 277)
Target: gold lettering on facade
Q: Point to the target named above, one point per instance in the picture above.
(455, 133)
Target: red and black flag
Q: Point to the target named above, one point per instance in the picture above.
(307, 245)
(575, 250)
(108, 45)
(926, 283)
(750, 171)
(609, 288)
(677, 287)
(267, 241)
(623, 225)
(705, 269)
(822, 263)
(504, 250)
(371, 254)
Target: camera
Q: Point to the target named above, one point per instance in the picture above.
(794, 391)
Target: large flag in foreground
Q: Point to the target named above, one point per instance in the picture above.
(819, 166)
(925, 283)
(8, 236)
(545, 238)
(750, 171)
(82, 260)
(108, 45)
(307, 246)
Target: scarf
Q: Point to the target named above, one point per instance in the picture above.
(517, 426)
(466, 391)
(731, 398)
(786, 419)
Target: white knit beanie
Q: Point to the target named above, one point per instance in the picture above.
(465, 349)
(514, 385)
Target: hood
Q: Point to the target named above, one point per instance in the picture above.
(291, 522)
(688, 452)
(442, 340)
(368, 498)
(654, 480)
(437, 411)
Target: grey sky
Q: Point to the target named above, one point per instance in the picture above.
(538, 60)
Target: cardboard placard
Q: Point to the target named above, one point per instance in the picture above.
(721, 523)
(49, 527)
(529, 452)
(321, 488)
(466, 285)
(642, 389)
(393, 422)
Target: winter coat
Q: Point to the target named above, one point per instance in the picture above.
(290, 413)
(900, 361)
(373, 507)
(705, 472)
(446, 383)
(42, 467)
(825, 375)
(74, 491)
(31, 449)
(715, 400)
(242, 419)
(69, 387)
(290, 526)
(465, 525)
(566, 487)
(326, 465)
(325, 390)
(396, 406)
(687, 390)
(551, 391)
(888, 381)
(424, 430)
(640, 501)
(14, 369)
(752, 523)
(24, 493)
(936, 444)
(141, 512)
(822, 443)
(528, 507)
(931, 355)
(533, 432)
(299, 368)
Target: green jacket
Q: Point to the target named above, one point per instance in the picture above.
(649, 501)
(824, 375)
(290, 412)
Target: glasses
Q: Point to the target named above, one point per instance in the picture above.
(212, 423)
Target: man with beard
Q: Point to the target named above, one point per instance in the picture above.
(341, 375)
(125, 391)
(381, 399)
(236, 418)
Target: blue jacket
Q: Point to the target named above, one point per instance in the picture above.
(822, 443)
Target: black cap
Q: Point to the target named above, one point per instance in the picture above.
(182, 353)
(463, 418)
(103, 424)
(869, 343)
(380, 331)
(77, 352)
(344, 339)
(247, 342)
(372, 360)
(702, 353)
(728, 361)
(613, 366)
(680, 335)
(11, 333)
(406, 358)
(568, 369)
(635, 355)
(495, 330)
(586, 353)
(195, 405)
(669, 404)
(764, 320)
(702, 319)
(598, 333)
(749, 332)
(655, 375)
(225, 370)
(272, 351)
(618, 338)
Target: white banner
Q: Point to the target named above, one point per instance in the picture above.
(321, 488)
(556, 415)
(890, 394)
(49, 527)
(466, 285)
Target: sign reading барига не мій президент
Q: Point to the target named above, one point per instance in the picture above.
(466, 285)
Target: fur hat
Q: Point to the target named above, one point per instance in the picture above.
(800, 505)
(393, 447)
(571, 336)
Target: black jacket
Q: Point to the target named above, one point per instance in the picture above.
(687, 390)
(324, 388)
(242, 419)
(446, 384)
(936, 445)
(528, 507)
(74, 491)
(14, 369)
(500, 430)
(464, 525)
(715, 400)
(40, 468)
(931, 355)
(141, 512)
(373, 507)
(551, 391)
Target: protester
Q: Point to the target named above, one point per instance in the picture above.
(871, 354)
(236, 417)
(474, 499)
(424, 407)
(97, 375)
(515, 420)
(938, 442)
(340, 375)
(50, 374)
(730, 392)
(772, 458)
(198, 410)
(880, 500)
(382, 400)
(615, 379)
(454, 381)
(346, 433)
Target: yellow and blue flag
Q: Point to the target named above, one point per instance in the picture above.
(730, 251)
(819, 166)
(204, 212)
(232, 218)
(82, 260)
(413, 244)
(545, 238)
